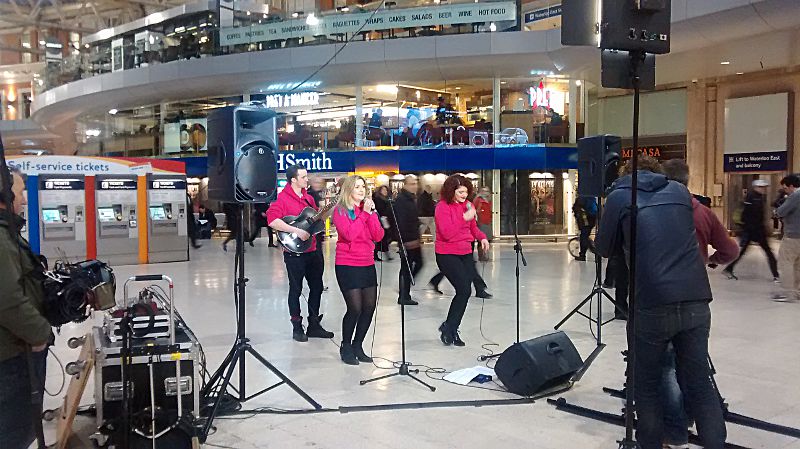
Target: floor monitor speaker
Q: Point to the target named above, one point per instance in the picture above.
(531, 366)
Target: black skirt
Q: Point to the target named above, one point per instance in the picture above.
(351, 278)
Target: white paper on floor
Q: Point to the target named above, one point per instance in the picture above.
(465, 376)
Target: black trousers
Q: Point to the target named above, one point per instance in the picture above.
(586, 242)
(308, 266)
(760, 237)
(460, 271)
(16, 425)
(257, 229)
(686, 326)
(413, 264)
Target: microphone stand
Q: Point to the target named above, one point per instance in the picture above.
(520, 256)
(403, 369)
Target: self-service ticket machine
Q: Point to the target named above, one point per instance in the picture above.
(167, 228)
(117, 224)
(62, 205)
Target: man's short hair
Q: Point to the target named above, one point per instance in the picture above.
(676, 170)
(791, 180)
(409, 178)
(291, 172)
(647, 163)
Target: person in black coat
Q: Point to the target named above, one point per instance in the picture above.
(405, 209)
(381, 200)
(232, 220)
(191, 223)
(754, 228)
(260, 221)
(207, 215)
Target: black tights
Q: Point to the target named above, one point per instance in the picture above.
(360, 307)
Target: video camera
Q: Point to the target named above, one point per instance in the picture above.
(72, 291)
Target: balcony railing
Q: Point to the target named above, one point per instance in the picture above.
(205, 39)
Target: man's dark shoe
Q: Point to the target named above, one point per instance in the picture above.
(315, 330)
(347, 355)
(484, 294)
(447, 334)
(435, 288)
(252, 245)
(407, 302)
(298, 333)
(581, 258)
(360, 354)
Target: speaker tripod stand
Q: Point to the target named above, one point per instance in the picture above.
(219, 384)
(598, 293)
(403, 369)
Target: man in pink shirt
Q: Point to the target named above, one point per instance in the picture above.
(309, 265)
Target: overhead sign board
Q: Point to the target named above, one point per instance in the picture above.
(384, 19)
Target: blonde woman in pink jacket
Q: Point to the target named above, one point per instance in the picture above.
(456, 229)
(358, 228)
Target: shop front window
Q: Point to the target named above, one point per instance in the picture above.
(535, 203)
(534, 110)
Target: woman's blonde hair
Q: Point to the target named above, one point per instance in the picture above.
(345, 202)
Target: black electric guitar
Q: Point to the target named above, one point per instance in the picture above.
(309, 220)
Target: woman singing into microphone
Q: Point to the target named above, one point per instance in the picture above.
(358, 227)
(456, 229)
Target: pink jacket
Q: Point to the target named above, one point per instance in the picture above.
(356, 237)
(288, 203)
(453, 234)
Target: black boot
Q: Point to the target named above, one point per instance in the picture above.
(359, 353)
(298, 334)
(346, 352)
(315, 330)
(457, 341)
(447, 334)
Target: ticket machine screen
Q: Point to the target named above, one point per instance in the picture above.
(51, 215)
(106, 214)
(157, 213)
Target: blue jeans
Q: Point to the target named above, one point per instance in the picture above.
(676, 421)
(686, 326)
(16, 410)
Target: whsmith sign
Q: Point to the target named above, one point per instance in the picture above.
(384, 19)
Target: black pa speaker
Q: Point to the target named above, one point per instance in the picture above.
(636, 25)
(539, 364)
(598, 162)
(242, 154)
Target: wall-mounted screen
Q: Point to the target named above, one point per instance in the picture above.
(157, 213)
(106, 214)
(51, 216)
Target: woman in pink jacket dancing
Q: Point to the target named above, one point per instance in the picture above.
(456, 229)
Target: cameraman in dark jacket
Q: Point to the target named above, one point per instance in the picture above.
(405, 208)
(671, 303)
(24, 331)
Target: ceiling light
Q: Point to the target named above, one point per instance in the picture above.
(42, 42)
(740, 73)
(312, 20)
(112, 111)
(503, 82)
(578, 82)
(265, 16)
(725, 63)
(492, 27)
(248, 13)
(458, 88)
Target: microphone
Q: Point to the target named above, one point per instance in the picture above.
(363, 202)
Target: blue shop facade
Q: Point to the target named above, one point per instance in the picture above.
(536, 184)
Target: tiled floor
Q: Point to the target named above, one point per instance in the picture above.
(753, 344)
